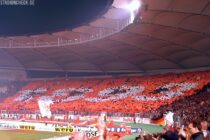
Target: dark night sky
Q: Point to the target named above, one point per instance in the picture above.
(48, 16)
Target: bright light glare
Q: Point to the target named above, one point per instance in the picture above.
(133, 6)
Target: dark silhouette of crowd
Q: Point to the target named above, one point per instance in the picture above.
(193, 130)
(191, 118)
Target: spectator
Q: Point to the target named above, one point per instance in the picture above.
(208, 136)
(196, 134)
(204, 127)
(169, 135)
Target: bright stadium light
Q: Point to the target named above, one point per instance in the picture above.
(133, 8)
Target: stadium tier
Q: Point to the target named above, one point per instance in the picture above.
(135, 94)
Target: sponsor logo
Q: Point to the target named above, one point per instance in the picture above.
(25, 127)
(65, 130)
(8, 126)
(85, 128)
(91, 134)
(128, 120)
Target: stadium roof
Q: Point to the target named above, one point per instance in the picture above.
(30, 17)
(167, 35)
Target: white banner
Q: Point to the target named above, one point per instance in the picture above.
(44, 107)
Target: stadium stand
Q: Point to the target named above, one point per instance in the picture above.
(185, 94)
(128, 37)
(137, 94)
(9, 89)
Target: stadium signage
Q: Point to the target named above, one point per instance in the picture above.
(25, 127)
(92, 134)
(65, 130)
(122, 119)
(128, 119)
(8, 126)
(84, 128)
(61, 117)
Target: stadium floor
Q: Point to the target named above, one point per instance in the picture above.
(32, 135)
(27, 135)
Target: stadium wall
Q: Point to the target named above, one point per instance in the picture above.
(13, 75)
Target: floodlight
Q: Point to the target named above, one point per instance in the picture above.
(133, 6)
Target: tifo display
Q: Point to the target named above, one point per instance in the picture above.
(125, 94)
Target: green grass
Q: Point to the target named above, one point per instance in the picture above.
(146, 127)
(27, 135)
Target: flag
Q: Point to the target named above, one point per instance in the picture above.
(44, 107)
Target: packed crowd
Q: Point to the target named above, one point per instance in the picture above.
(193, 130)
(8, 89)
(191, 118)
(196, 107)
(136, 94)
(187, 95)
